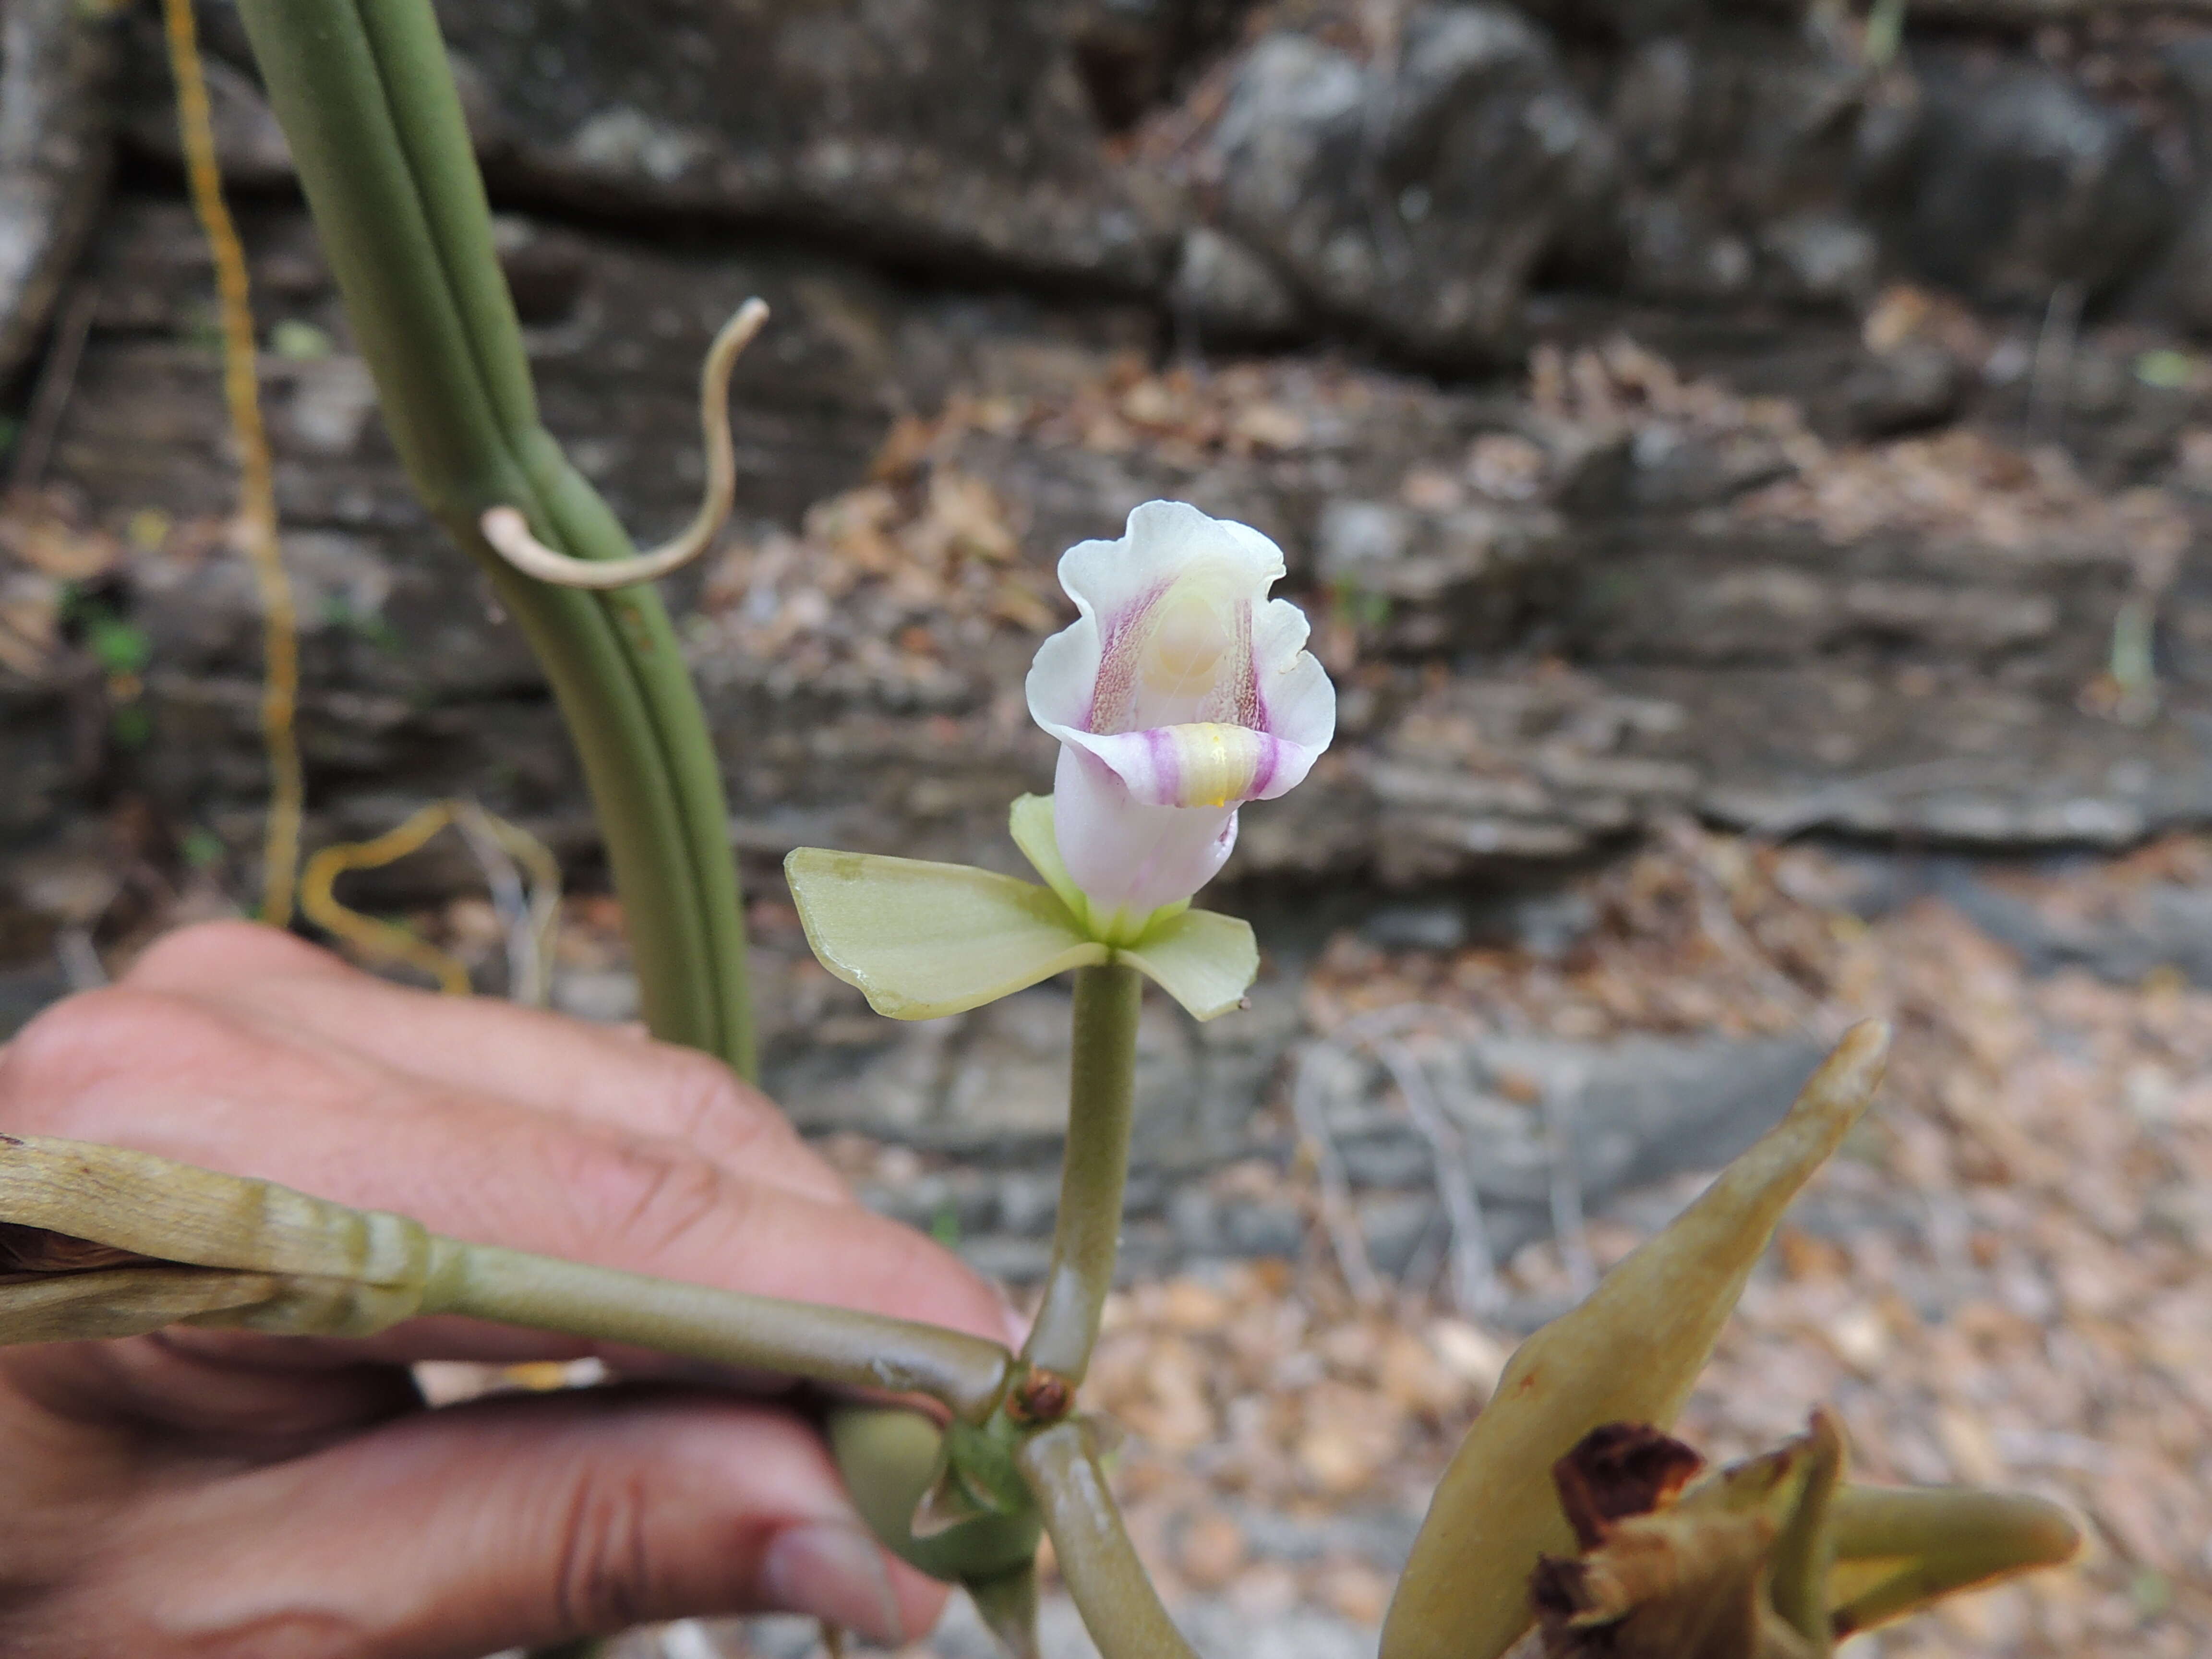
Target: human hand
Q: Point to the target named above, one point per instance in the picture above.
(225, 1495)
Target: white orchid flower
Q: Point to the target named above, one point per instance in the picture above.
(1180, 692)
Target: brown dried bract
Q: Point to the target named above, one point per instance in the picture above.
(35, 1252)
(1619, 1470)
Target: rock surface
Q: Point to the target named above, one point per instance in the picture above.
(58, 66)
(1411, 174)
(1559, 608)
(1414, 193)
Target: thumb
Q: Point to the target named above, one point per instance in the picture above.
(516, 1522)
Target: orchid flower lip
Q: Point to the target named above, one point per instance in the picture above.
(1181, 693)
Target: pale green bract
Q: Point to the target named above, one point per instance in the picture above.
(921, 939)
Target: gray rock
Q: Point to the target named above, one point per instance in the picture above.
(968, 136)
(947, 135)
(1416, 201)
(2152, 925)
(2023, 182)
(1820, 258)
(1430, 582)
(57, 65)
(1723, 602)
(1612, 1117)
(2182, 287)
(1395, 1226)
(1741, 172)
(1224, 290)
(250, 146)
(1417, 926)
(990, 1090)
(1747, 671)
(1916, 385)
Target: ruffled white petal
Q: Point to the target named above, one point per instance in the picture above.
(1179, 692)
(1162, 540)
(1296, 700)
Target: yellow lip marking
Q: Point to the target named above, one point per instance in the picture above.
(1214, 764)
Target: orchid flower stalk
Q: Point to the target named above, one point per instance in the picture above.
(102, 1241)
(1181, 693)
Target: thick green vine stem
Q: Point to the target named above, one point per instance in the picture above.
(1087, 1235)
(1120, 1607)
(367, 101)
(967, 1374)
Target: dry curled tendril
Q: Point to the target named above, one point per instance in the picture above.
(509, 533)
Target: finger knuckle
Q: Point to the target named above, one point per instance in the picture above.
(711, 1107)
(215, 948)
(55, 1064)
(604, 1572)
(651, 1194)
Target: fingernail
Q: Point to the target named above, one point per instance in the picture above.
(835, 1573)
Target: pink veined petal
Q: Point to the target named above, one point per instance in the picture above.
(1195, 766)
(1124, 854)
(1163, 634)
(1163, 539)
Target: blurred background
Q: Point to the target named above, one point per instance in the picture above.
(1748, 462)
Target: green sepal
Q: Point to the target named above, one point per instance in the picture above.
(1203, 959)
(1030, 822)
(981, 1458)
(1007, 1603)
(919, 939)
(1804, 1550)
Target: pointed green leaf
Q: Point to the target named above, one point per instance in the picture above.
(1629, 1354)
(1899, 1548)
(922, 939)
(1204, 960)
(890, 1457)
(1008, 1604)
(1805, 1549)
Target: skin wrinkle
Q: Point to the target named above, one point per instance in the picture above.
(661, 1198)
(602, 1579)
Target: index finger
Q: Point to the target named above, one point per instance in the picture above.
(233, 1095)
(530, 1056)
